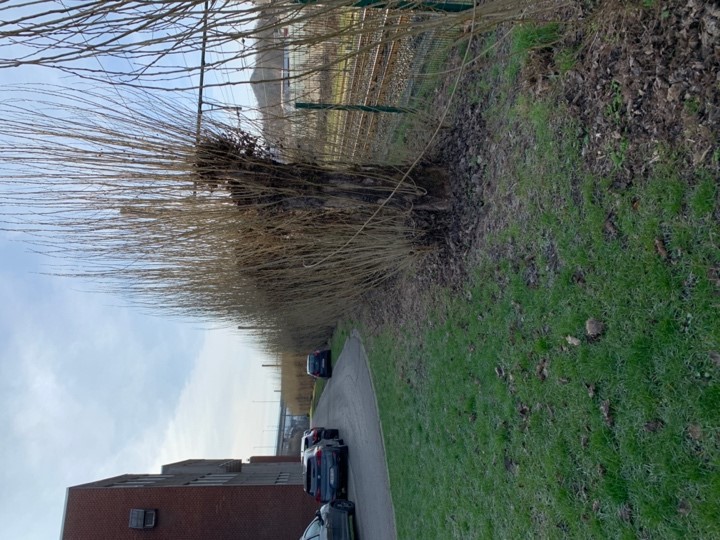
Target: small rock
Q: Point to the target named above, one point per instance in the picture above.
(594, 328)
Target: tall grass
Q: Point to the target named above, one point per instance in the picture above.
(120, 195)
(114, 178)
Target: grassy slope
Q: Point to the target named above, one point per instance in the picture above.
(622, 436)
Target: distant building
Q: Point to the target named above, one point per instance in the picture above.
(193, 500)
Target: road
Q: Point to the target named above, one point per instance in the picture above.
(348, 403)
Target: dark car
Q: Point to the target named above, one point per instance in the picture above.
(334, 521)
(325, 471)
(318, 364)
(314, 435)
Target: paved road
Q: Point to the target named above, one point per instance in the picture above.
(348, 403)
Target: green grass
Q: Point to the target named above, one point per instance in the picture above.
(479, 445)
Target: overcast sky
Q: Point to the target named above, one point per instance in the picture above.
(91, 388)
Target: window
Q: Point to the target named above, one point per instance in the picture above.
(142, 518)
(213, 479)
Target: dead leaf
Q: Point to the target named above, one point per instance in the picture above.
(584, 441)
(654, 426)
(610, 227)
(590, 389)
(660, 247)
(635, 204)
(572, 341)
(695, 432)
(510, 465)
(596, 506)
(606, 412)
(715, 357)
(684, 508)
(714, 276)
(524, 410)
(625, 512)
(563, 380)
(500, 372)
(541, 369)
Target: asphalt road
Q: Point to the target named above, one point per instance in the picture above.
(348, 403)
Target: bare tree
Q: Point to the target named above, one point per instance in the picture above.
(122, 192)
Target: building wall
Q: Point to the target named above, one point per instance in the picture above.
(227, 512)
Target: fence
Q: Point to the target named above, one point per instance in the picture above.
(337, 77)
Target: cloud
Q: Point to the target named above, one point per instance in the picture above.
(228, 406)
(86, 390)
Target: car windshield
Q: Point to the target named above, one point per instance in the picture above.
(313, 363)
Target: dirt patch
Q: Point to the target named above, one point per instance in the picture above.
(645, 77)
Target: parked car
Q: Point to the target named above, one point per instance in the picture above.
(325, 471)
(314, 435)
(318, 363)
(334, 521)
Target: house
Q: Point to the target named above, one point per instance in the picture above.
(194, 499)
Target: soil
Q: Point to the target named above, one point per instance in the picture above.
(646, 73)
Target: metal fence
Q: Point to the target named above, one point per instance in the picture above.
(339, 78)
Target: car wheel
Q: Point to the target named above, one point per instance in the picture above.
(344, 506)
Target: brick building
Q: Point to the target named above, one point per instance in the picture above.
(193, 500)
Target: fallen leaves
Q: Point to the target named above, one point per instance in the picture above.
(541, 369)
(653, 426)
(606, 412)
(610, 227)
(660, 248)
(524, 410)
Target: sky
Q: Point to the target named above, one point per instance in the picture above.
(92, 387)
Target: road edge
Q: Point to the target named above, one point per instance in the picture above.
(355, 334)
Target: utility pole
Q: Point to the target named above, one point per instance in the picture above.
(202, 81)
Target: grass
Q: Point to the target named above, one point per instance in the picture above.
(497, 425)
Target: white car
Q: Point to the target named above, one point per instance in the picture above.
(334, 521)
